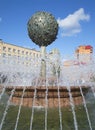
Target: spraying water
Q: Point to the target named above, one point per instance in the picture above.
(6, 109)
(19, 109)
(73, 109)
(24, 76)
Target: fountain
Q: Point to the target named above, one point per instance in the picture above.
(42, 29)
(45, 86)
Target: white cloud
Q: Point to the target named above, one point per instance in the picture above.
(71, 24)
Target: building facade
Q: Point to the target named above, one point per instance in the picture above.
(18, 52)
(7, 49)
(84, 53)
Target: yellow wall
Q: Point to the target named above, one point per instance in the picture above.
(8, 50)
(13, 50)
(84, 54)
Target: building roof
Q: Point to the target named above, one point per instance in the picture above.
(88, 47)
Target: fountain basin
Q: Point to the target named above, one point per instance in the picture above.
(47, 96)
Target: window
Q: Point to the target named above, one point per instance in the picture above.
(14, 50)
(4, 48)
(26, 53)
(9, 49)
(33, 54)
(22, 52)
(4, 54)
(18, 51)
(9, 54)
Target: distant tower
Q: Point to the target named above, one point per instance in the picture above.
(84, 53)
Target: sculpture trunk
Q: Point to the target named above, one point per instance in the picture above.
(43, 62)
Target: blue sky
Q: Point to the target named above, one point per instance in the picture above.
(76, 20)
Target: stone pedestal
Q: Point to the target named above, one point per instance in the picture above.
(52, 98)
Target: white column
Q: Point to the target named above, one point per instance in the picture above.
(43, 62)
